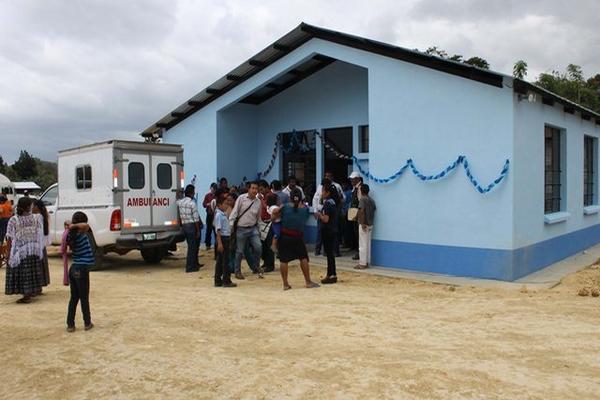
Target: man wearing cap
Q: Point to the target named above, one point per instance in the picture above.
(356, 181)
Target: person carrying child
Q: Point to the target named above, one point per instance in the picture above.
(79, 273)
(223, 233)
(274, 208)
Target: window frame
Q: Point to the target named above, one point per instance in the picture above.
(590, 170)
(362, 142)
(129, 175)
(554, 172)
(84, 181)
(158, 180)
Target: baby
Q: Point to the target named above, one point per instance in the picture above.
(273, 208)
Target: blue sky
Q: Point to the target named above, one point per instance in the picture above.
(74, 72)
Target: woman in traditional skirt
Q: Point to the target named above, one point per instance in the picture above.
(291, 244)
(40, 208)
(25, 239)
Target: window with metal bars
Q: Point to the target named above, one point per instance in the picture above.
(552, 170)
(589, 170)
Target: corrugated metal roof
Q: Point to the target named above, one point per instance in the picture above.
(303, 33)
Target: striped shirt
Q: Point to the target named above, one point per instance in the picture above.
(82, 249)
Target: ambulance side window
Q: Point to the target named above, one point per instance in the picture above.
(164, 176)
(136, 175)
(83, 175)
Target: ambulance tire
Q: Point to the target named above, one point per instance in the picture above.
(153, 255)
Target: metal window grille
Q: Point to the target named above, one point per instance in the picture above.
(363, 139)
(589, 170)
(552, 170)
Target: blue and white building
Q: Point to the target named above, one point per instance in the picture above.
(503, 175)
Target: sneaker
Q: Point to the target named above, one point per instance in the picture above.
(218, 284)
(70, 329)
(229, 284)
(88, 327)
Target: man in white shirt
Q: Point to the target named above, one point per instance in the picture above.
(292, 184)
(317, 204)
(356, 181)
(244, 217)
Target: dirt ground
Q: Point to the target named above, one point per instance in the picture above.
(161, 333)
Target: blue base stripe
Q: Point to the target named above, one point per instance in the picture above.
(507, 265)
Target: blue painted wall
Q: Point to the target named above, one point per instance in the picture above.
(431, 117)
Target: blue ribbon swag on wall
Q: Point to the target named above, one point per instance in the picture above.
(299, 142)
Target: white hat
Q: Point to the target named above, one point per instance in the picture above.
(354, 174)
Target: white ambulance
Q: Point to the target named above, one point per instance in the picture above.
(128, 190)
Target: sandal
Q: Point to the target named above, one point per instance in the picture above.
(312, 285)
(286, 287)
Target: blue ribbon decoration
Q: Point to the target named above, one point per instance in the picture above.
(296, 142)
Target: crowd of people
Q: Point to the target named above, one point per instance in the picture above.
(257, 222)
(261, 221)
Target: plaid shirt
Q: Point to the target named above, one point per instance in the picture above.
(188, 211)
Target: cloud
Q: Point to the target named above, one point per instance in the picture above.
(77, 72)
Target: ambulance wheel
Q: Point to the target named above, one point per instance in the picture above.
(153, 255)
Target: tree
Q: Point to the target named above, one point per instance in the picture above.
(478, 62)
(25, 167)
(572, 85)
(2, 166)
(520, 69)
(434, 51)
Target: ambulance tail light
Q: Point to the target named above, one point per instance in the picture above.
(115, 220)
(115, 178)
(181, 178)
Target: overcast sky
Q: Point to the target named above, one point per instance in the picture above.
(73, 72)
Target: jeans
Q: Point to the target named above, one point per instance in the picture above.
(267, 253)
(3, 225)
(193, 243)
(209, 229)
(329, 241)
(79, 282)
(222, 271)
(244, 235)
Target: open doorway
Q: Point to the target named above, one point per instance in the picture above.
(300, 159)
(341, 140)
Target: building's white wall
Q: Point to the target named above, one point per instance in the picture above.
(198, 136)
(336, 96)
(432, 117)
(236, 143)
(530, 119)
(413, 112)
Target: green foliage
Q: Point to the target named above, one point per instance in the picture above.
(478, 62)
(572, 85)
(520, 69)
(29, 168)
(25, 166)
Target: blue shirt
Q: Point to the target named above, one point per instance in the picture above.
(82, 249)
(294, 219)
(221, 223)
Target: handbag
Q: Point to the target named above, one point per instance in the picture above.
(263, 230)
(352, 213)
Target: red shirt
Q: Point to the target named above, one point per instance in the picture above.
(207, 199)
(6, 210)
